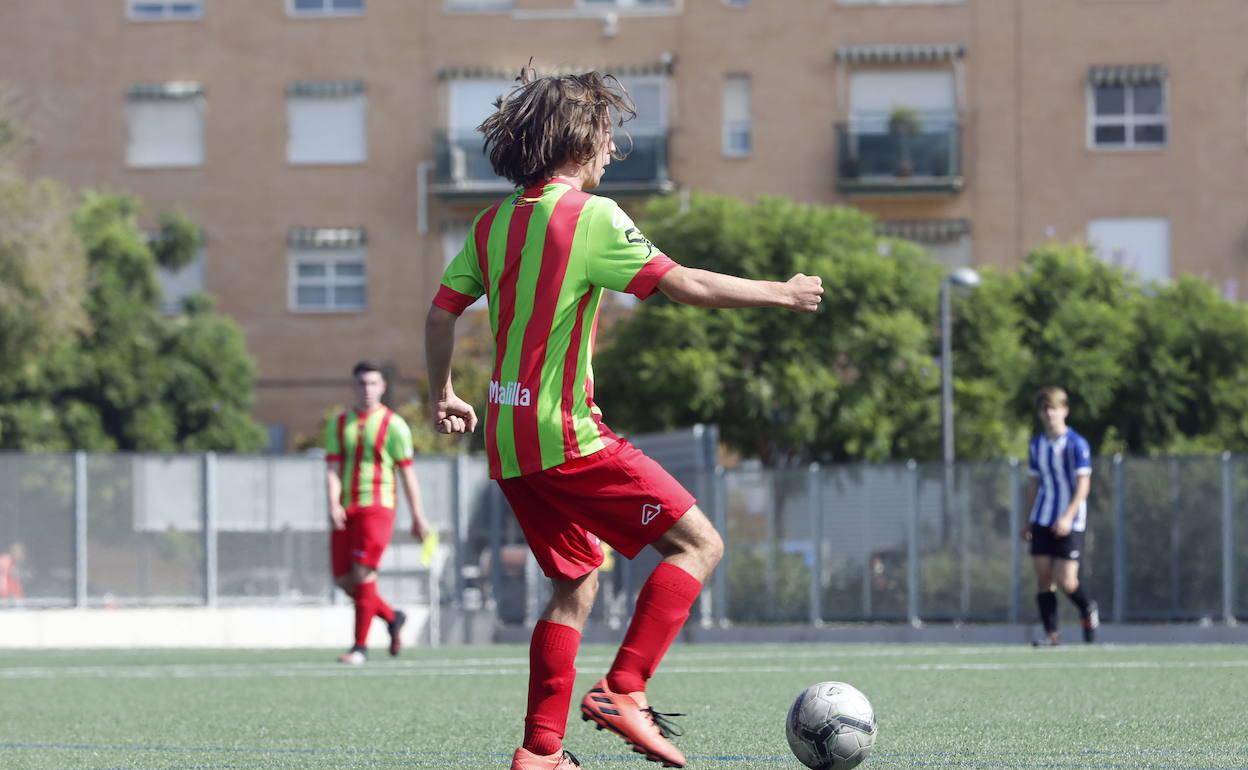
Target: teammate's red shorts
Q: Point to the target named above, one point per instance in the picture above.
(364, 540)
(617, 494)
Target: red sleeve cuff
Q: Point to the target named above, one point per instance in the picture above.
(404, 462)
(452, 301)
(333, 458)
(646, 282)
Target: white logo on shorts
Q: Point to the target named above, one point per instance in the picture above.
(649, 512)
(1074, 554)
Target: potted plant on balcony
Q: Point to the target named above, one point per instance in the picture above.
(904, 123)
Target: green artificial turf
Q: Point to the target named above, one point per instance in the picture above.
(1073, 708)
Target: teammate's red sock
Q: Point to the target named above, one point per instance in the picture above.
(552, 675)
(662, 609)
(366, 600)
(384, 611)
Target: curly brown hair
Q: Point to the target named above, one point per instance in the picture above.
(550, 120)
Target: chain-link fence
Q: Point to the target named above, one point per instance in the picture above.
(1167, 538)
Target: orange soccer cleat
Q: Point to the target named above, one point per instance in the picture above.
(560, 760)
(629, 717)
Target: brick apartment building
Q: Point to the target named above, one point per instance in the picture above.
(326, 146)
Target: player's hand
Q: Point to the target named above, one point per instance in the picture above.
(419, 529)
(805, 293)
(1061, 527)
(1026, 534)
(454, 415)
(337, 516)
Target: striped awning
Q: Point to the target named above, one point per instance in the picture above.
(175, 89)
(662, 67)
(325, 237)
(924, 230)
(325, 89)
(1126, 74)
(900, 54)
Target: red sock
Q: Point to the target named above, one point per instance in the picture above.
(552, 675)
(366, 600)
(384, 611)
(662, 609)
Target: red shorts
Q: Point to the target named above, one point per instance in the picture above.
(363, 541)
(617, 494)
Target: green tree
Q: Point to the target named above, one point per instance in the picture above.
(855, 380)
(131, 378)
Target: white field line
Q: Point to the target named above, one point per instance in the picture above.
(317, 670)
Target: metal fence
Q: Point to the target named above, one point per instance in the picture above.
(1167, 537)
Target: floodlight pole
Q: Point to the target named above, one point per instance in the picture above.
(946, 403)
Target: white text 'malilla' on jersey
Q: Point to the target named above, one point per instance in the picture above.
(1057, 465)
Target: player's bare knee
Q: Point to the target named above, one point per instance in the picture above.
(1070, 585)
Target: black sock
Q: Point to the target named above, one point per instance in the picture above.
(1047, 602)
(1079, 600)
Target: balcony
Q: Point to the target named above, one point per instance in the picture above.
(874, 160)
(462, 171)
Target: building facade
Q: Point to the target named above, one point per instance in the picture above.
(326, 146)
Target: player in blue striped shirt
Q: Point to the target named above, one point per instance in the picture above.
(1061, 468)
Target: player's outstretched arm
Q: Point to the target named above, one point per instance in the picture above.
(451, 414)
(703, 288)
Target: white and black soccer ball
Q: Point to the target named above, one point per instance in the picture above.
(831, 726)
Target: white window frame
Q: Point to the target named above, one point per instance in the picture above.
(194, 271)
(327, 257)
(195, 103)
(900, 2)
(357, 159)
(1114, 258)
(167, 14)
(631, 6)
(327, 11)
(1128, 120)
(479, 6)
(729, 150)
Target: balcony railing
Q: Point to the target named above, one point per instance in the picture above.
(871, 159)
(463, 171)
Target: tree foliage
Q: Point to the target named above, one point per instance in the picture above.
(1149, 368)
(102, 368)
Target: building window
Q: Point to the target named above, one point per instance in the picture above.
(165, 123)
(1127, 107)
(629, 5)
(900, 2)
(478, 6)
(138, 10)
(326, 122)
(1141, 245)
(328, 270)
(738, 131)
(177, 285)
(325, 7)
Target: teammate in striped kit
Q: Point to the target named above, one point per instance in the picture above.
(363, 447)
(1060, 462)
(544, 256)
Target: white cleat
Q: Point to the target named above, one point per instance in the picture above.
(353, 658)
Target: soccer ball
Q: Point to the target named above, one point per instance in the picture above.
(831, 726)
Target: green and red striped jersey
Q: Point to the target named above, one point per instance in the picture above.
(544, 256)
(368, 446)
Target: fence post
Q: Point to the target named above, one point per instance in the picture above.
(964, 547)
(1016, 557)
(209, 499)
(496, 544)
(813, 498)
(80, 529)
(459, 504)
(1228, 539)
(721, 522)
(912, 547)
(1120, 540)
(865, 515)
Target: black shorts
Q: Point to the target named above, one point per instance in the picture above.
(1045, 543)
